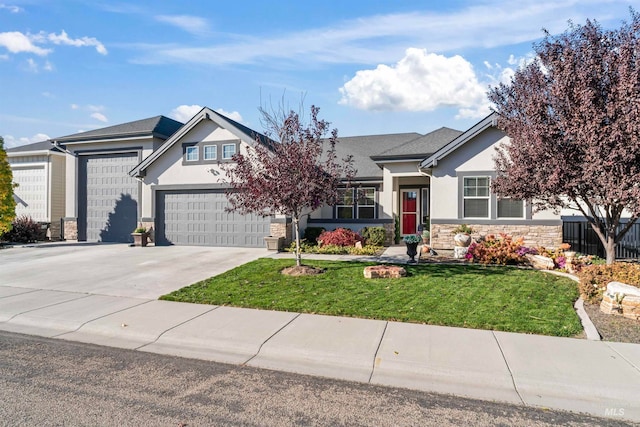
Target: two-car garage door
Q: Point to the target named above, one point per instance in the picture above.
(198, 217)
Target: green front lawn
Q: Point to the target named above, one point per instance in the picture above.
(472, 296)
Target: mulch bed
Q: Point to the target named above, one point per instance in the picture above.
(612, 327)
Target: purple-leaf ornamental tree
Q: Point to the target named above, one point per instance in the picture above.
(573, 119)
(294, 174)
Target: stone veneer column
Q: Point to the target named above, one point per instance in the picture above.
(70, 230)
(282, 227)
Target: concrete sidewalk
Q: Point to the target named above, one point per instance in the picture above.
(595, 377)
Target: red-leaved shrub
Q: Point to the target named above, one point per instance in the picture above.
(339, 237)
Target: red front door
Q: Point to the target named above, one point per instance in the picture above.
(409, 212)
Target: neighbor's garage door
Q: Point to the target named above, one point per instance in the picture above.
(107, 197)
(199, 218)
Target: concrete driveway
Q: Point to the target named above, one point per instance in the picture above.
(116, 269)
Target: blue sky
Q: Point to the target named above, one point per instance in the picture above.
(372, 66)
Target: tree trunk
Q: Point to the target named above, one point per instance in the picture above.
(610, 248)
(296, 226)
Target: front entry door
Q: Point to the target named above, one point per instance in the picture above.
(409, 212)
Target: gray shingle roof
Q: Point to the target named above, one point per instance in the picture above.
(363, 147)
(36, 146)
(159, 126)
(420, 147)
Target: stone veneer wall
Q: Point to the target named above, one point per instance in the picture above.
(70, 229)
(549, 236)
(390, 232)
(280, 229)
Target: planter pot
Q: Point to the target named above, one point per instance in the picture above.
(462, 240)
(140, 239)
(412, 251)
(274, 243)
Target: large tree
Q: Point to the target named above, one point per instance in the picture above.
(7, 202)
(294, 173)
(573, 119)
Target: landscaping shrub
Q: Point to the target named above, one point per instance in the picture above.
(339, 237)
(374, 235)
(311, 234)
(24, 230)
(335, 249)
(497, 250)
(594, 279)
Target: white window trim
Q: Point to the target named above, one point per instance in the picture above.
(215, 152)
(195, 149)
(352, 205)
(487, 197)
(223, 152)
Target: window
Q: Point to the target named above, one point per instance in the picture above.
(344, 207)
(191, 154)
(210, 152)
(476, 197)
(366, 203)
(228, 150)
(510, 208)
(356, 203)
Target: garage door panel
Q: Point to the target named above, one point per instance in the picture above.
(198, 218)
(108, 197)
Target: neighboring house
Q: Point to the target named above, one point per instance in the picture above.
(102, 202)
(167, 176)
(39, 171)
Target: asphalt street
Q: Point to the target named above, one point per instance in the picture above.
(46, 382)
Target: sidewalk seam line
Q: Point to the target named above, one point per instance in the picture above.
(175, 326)
(513, 380)
(637, 368)
(30, 290)
(268, 338)
(375, 356)
(100, 317)
(44, 306)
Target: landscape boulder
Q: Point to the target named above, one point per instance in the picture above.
(622, 299)
(384, 271)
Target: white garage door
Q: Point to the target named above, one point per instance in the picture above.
(199, 218)
(107, 197)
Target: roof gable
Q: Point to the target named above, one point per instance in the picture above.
(241, 131)
(472, 132)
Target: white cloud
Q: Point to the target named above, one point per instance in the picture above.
(188, 23)
(48, 94)
(420, 81)
(10, 141)
(99, 116)
(98, 108)
(11, 8)
(74, 106)
(63, 39)
(184, 113)
(234, 115)
(16, 42)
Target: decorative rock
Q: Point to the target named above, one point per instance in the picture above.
(540, 262)
(622, 299)
(460, 251)
(359, 245)
(384, 271)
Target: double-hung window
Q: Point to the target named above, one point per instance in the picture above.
(366, 203)
(345, 204)
(476, 197)
(510, 208)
